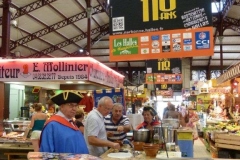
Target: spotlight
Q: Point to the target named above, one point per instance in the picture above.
(81, 50)
(13, 11)
(235, 82)
(14, 23)
(17, 53)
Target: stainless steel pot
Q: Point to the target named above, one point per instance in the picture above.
(141, 135)
(165, 132)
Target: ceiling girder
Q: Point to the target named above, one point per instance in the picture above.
(29, 8)
(105, 5)
(226, 6)
(70, 41)
(104, 30)
(56, 26)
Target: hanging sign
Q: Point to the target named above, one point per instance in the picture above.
(229, 74)
(152, 29)
(161, 78)
(59, 69)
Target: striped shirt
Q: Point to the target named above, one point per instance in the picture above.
(112, 127)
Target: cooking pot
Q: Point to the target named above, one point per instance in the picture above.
(165, 132)
(141, 135)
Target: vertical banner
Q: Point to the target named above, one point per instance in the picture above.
(117, 96)
(152, 29)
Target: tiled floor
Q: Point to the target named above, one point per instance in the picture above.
(199, 150)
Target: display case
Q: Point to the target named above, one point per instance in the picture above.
(15, 125)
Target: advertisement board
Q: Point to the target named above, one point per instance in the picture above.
(152, 29)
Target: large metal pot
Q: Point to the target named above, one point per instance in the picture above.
(141, 135)
(165, 132)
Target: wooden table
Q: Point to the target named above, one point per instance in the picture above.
(11, 150)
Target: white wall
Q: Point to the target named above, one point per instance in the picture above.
(16, 100)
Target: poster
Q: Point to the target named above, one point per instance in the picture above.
(117, 96)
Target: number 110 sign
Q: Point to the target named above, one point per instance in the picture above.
(158, 6)
(138, 16)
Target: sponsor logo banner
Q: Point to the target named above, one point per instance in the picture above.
(162, 44)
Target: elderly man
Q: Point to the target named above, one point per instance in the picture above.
(94, 130)
(117, 124)
(60, 134)
(166, 109)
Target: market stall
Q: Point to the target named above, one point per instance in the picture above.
(15, 141)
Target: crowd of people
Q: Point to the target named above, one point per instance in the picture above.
(104, 127)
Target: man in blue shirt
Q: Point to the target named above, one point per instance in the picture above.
(60, 135)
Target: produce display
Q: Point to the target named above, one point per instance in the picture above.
(230, 127)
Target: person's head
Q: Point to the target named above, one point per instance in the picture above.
(169, 103)
(148, 114)
(171, 108)
(68, 102)
(31, 109)
(37, 107)
(190, 109)
(79, 114)
(226, 112)
(105, 105)
(117, 111)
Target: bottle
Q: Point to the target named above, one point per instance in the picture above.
(156, 138)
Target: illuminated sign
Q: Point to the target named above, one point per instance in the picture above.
(59, 69)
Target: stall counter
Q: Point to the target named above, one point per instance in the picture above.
(140, 155)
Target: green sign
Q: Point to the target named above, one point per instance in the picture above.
(125, 46)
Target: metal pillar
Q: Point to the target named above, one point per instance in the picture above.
(89, 17)
(6, 19)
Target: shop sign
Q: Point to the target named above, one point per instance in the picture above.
(219, 90)
(161, 78)
(152, 29)
(229, 74)
(101, 74)
(43, 69)
(165, 93)
(59, 69)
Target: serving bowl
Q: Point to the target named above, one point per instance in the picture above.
(150, 149)
(138, 146)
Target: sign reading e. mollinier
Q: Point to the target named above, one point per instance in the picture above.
(152, 29)
(59, 69)
(43, 69)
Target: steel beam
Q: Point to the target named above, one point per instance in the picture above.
(55, 26)
(70, 41)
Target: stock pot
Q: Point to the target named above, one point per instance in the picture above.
(141, 135)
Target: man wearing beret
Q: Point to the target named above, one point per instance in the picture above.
(60, 135)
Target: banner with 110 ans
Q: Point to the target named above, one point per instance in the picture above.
(153, 29)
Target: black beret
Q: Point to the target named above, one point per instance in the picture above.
(148, 108)
(66, 97)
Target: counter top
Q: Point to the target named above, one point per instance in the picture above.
(15, 141)
(140, 155)
(16, 147)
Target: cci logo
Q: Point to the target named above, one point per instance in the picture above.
(202, 40)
